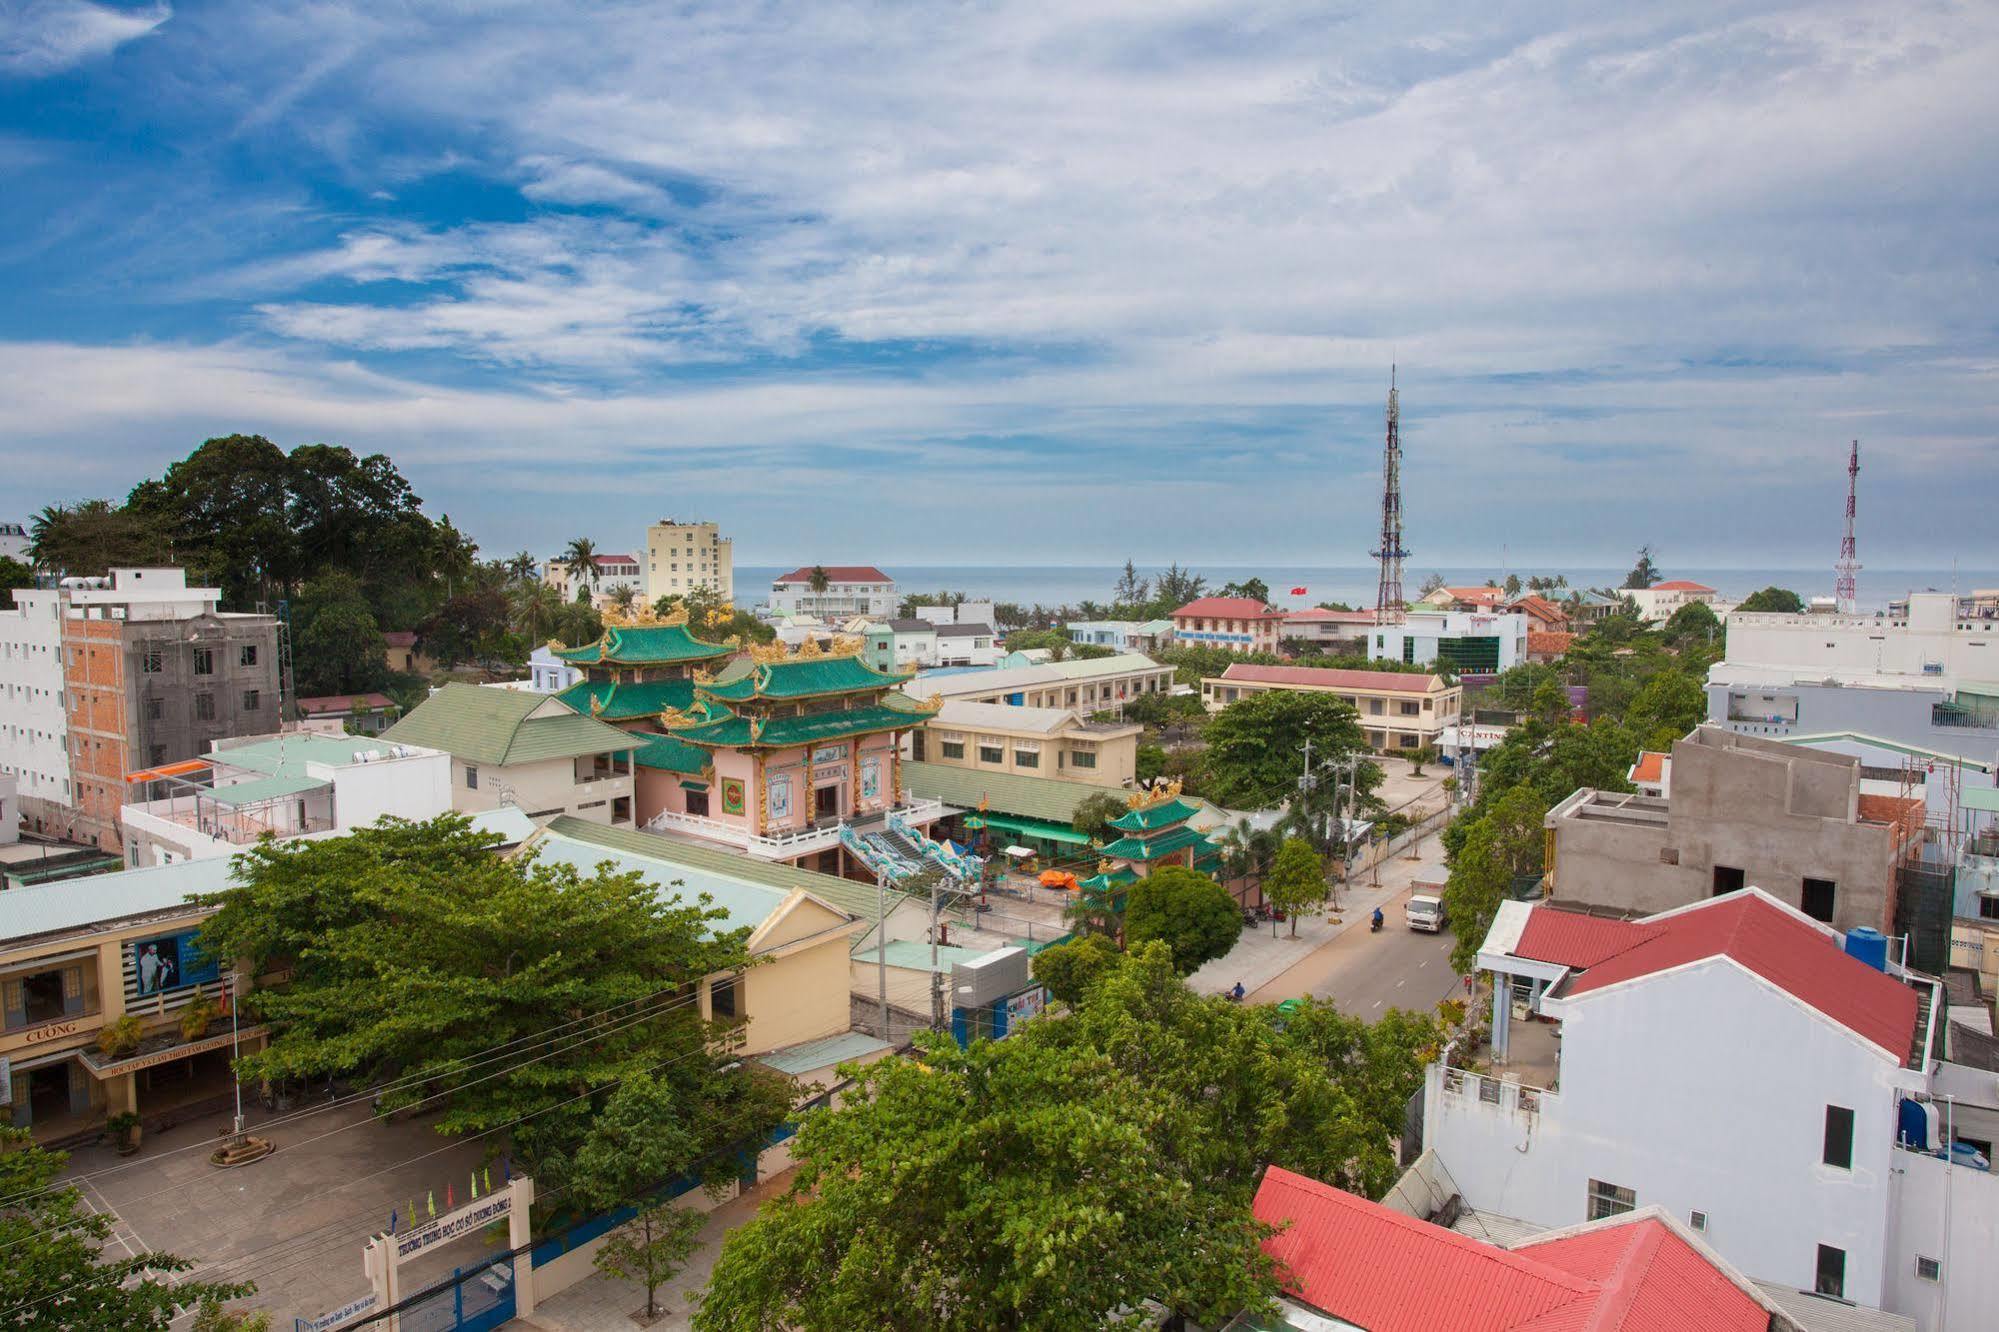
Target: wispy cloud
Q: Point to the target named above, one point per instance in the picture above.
(41, 37)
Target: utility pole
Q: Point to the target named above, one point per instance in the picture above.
(881, 949)
(936, 976)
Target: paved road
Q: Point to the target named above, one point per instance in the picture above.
(1366, 974)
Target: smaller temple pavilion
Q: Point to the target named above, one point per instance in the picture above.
(1151, 833)
(637, 669)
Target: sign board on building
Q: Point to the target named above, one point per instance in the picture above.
(455, 1225)
(170, 962)
(327, 1321)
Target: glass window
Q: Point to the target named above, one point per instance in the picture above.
(471, 778)
(204, 707)
(248, 656)
(1831, 1272)
(1026, 758)
(1083, 758)
(204, 661)
(149, 662)
(252, 700)
(1838, 1137)
(951, 749)
(991, 753)
(1610, 1200)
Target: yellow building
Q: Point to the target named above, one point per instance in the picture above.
(681, 556)
(1032, 742)
(1399, 710)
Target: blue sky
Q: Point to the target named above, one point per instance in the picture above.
(1044, 284)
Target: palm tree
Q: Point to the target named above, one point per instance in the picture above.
(581, 557)
(623, 597)
(818, 580)
(521, 566)
(1247, 850)
(533, 607)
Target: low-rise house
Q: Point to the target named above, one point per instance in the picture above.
(1542, 614)
(851, 589)
(972, 644)
(1792, 821)
(1123, 635)
(963, 612)
(1238, 624)
(1657, 603)
(1546, 647)
(405, 653)
(1652, 774)
(548, 673)
(1399, 710)
(896, 646)
(287, 785)
(1593, 607)
(1037, 742)
(1487, 598)
(514, 747)
(367, 714)
(607, 575)
(1092, 684)
(1784, 1089)
(1329, 630)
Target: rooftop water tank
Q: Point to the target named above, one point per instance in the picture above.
(1870, 946)
(1916, 1125)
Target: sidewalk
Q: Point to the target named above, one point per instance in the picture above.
(1258, 959)
(599, 1304)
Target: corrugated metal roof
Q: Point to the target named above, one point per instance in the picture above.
(261, 789)
(824, 1053)
(1816, 1313)
(747, 903)
(73, 904)
(1573, 939)
(1650, 1279)
(1320, 677)
(1047, 798)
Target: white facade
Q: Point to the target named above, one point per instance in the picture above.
(681, 556)
(548, 673)
(967, 644)
(1937, 638)
(1467, 641)
(10, 810)
(14, 542)
(613, 571)
(1656, 604)
(970, 612)
(868, 593)
(34, 726)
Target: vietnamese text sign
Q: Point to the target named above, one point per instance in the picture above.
(327, 1321)
(455, 1225)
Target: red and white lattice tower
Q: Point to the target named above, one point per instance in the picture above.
(1389, 606)
(1844, 590)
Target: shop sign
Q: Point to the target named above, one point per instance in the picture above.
(53, 1031)
(455, 1225)
(168, 1055)
(327, 1321)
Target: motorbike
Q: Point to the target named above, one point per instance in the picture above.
(1374, 923)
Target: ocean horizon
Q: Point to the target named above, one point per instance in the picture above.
(1055, 585)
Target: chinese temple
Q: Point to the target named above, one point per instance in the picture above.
(637, 669)
(1152, 832)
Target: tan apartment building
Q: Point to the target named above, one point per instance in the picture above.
(1237, 624)
(1098, 684)
(681, 556)
(1399, 710)
(1742, 812)
(1032, 742)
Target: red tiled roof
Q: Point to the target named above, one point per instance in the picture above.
(1551, 643)
(601, 560)
(1572, 939)
(839, 573)
(1681, 585)
(343, 702)
(1540, 608)
(1401, 682)
(1232, 608)
(1650, 767)
(1373, 1267)
(1791, 953)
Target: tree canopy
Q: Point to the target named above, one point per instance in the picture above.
(1255, 745)
(1645, 572)
(1297, 879)
(337, 648)
(1184, 909)
(1777, 600)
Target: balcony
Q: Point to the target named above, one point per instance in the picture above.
(1961, 716)
(820, 836)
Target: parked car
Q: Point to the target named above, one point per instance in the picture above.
(1426, 913)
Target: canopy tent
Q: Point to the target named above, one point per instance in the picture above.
(1038, 828)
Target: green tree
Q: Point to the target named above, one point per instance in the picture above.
(1255, 746)
(581, 557)
(1694, 622)
(1093, 814)
(337, 647)
(212, 1316)
(413, 949)
(1187, 911)
(1512, 587)
(1150, 761)
(1666, 707)
(648, 1249)
(1255, 589)
(1644, 573)
(1070, 969)
(1174, 589)
(1777, 600)
(59, 1274)
(14, 574)
(88, 540)
(226, 508)
(1477, 885)
(1297, 880)
(818, 580)
(1131, 590)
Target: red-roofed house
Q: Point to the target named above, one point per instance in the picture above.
(370, 714)
(1544, 614)
(1463, 598)
(1659, 601)
(1369, 1266)
(1545, 647)
(1732, 1061)
(1652, 774)
(851, 589)
(1239, 624)
(1399, 710)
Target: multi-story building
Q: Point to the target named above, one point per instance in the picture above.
(10, 809)
(1239, 624)
(128, 671)
(1095, 684)
(1657, 603)
(1790, 1093)
(1124, 635)
(1329, 630)
(609, 574)
(1741, 811)
(284, 785)
(364, 714)
(1399, 710)
(681, 556)
(1034, 742)
(1468, 642)
(851, 589)
(897, 646)
(14, 542)
(967, 644)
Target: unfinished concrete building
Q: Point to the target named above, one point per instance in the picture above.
(1749, 812)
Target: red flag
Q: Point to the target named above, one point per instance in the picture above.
(1297, 591)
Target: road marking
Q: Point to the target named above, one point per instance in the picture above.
(119, 1225)
(1424, 963)
(1399, 984)
(1377, 1003)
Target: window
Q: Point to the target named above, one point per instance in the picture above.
(1026, 758)
(1988, 908)
(204, 661)
(1832, 1272)
(724, 997)
(204, 707)
(1698, 1220)
(1083, 758)
(951, 749)
(149, 662)
(471, 778)
(1838, 1137)
(916, 746)
(1817, 899)
(156, 709)
(697, 803)
(252, 700)
(247, 655)
(991, 753)
(1727, 879)
(1609, 1200)
(1929, 1269)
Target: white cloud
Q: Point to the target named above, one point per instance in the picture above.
(41, 37)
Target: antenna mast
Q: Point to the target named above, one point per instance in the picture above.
(1844, 589)
(1388, 602)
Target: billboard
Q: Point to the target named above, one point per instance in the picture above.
(171, 962)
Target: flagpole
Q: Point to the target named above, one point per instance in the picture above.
(235, 1052)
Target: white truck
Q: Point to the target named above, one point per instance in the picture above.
(1426, 913)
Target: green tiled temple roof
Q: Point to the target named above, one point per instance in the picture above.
(814, 728)
(799, 677)
(1165, 844)
(670, 754)
(1154, 817)
(624, 701)
(644, 645)
(1116, 878)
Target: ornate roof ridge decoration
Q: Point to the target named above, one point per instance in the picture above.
(771, 654)
(674, 719)
(703, 677)
(1158, 794)
(643, 616)
(556, 645)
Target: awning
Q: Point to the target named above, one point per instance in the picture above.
(1038, 828)
(181, 769)
(687, 785)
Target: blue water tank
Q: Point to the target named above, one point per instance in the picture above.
(1916, 1125)
(1870, 946)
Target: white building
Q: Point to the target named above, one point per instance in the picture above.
(1469, 642)
(14, 542)
(548, 673)
(1657, 603)
(967, 644)
(681, 556)
(34, 723)
(851, 589)
(611, 573)
(1742, 1066)
(1124, 635)
(286, 785)
(1094, 685)
(965, 612)
(10, 809)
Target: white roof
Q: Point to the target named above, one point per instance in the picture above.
(1743, 673)
(1028, 677)
(75, 904)
(1003, 717)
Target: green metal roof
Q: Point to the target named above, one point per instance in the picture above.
(1116, 878)
(644, 645)
(781, 732)
(1044, 829)
(1047, 798)
(798, 677)
(289, 753)
(1165, 844)
(824, 1053)
(669, 754)
(624, 701)
(261, 789)
(1155, 817)
(498, 726)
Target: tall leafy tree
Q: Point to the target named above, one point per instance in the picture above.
(90, 539)
(1176, 587)
(13, 574)
(1778, 600)
(1093, 814)
(1069, 969)
(1184, 909)
(226, 508)
(1253, 588)
(337, 648)
(1645, 572)
(1297, 880)
(581, 557)
(1131, 589)
(1255, 746)
(60, 1275)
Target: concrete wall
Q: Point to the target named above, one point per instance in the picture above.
(1952, 1214)
(34, 726)
(1701, 1089)
(801, 996)
(416, 787)
(1901, 713)
(548, 787)
(1929, 640)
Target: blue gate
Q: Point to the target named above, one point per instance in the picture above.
(469, 1300)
